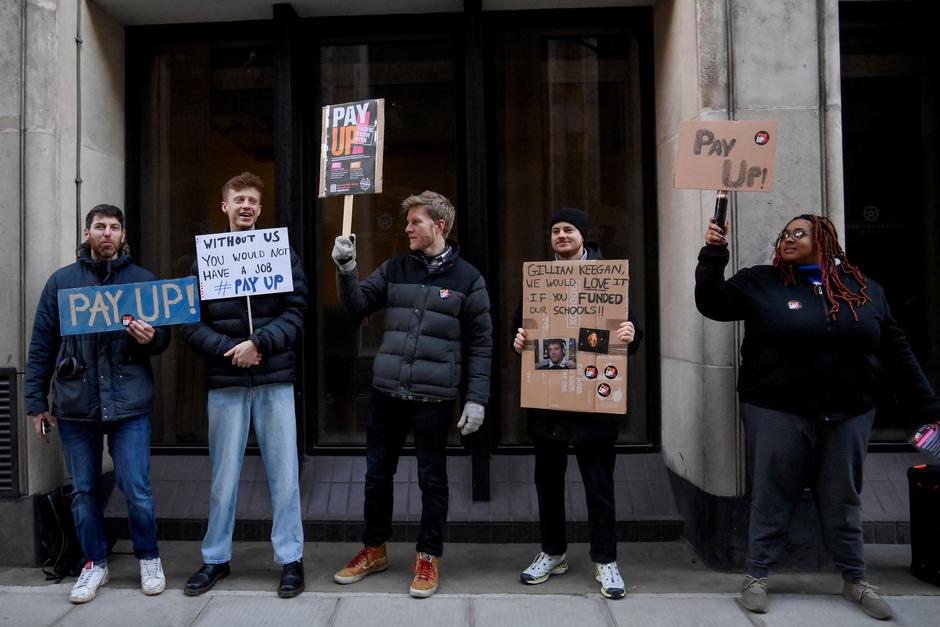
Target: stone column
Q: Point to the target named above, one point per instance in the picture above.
(49, 138)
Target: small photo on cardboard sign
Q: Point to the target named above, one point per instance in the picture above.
(593, 340)
(555, 353)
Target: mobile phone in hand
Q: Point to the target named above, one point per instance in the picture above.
(721, 209)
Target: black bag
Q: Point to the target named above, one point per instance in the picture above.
(62, 552)
(924, 485)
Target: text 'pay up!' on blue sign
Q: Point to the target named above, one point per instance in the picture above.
(244, 263)
(112, 307)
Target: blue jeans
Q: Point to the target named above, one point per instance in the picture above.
(271, 409)
(129, 446)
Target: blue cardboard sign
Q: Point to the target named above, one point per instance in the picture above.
(112, 307)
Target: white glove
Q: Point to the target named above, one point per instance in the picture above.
(344, 252)
(471, 419)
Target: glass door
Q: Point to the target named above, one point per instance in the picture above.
(416, 77)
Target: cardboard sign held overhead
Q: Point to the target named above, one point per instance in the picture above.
(735, 155)
(113, 307)
(244, 263)
(572, 359)
(351, 148)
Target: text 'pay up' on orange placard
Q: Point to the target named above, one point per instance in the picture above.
(735, 155)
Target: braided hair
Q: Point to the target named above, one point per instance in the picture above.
(832, 264)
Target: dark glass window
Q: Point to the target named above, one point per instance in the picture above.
(892, 189)
(568, 114)
(206, 114)
(416, 79)
(561, 98)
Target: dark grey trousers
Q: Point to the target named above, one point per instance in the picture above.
(784, 453)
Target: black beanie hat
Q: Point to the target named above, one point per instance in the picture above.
(572, 216)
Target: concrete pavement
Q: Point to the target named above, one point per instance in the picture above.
(666, 586)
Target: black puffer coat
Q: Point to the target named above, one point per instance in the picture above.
(575, 426)
(278, 322)
(438, 333)
(116, 381)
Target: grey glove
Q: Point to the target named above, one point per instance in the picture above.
(471, 419)
(344, 252)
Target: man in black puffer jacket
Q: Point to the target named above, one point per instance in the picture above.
(438, 340)
(251, 380)
(101, 384)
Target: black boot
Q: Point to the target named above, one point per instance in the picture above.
(205, 578)
(292, 580)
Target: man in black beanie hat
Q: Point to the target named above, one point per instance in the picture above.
(593, 437)
(565, 218)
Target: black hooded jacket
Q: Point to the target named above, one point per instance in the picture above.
(796, 358)
(113, 380)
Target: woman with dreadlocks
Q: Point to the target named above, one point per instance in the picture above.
(817, 334)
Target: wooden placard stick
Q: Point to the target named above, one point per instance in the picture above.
(347, 214)
(251, 324)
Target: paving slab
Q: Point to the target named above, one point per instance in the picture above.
(261, 610)
(915, 611)
(34, 606)
(654, 610)
(122, 607)
(394, 610)
(542, 611)
(799, 610)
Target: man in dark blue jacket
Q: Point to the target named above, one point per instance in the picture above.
(438, 340)
(251, 381)
(101, 384)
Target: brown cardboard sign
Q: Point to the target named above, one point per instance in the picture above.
(572, 359)
(352, 144)
(736, 155)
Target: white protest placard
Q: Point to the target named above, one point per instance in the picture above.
(244, 263)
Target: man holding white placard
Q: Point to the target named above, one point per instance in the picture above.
(248, 343)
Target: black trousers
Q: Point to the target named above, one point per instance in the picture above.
(596, 462)
(390, 421)
(784, 452)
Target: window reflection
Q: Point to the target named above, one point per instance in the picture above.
(569, 136)
(416, 78)
(206, 115)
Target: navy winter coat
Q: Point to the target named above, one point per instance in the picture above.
(115, 380)
(438, 333)
(278, 321)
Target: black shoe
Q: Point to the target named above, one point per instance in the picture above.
(205, 578)
(292, 580)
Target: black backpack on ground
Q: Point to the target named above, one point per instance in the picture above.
(61, 550)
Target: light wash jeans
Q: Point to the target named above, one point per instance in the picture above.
(271, 409)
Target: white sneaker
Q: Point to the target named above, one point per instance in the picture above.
(152, 579)
(611, 582)
(543, 567)
(88, 581)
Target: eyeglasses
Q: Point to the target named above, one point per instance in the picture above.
(795, 235)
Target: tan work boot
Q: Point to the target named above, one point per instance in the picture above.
(867, 597)
(371, 559)
(426, 575)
